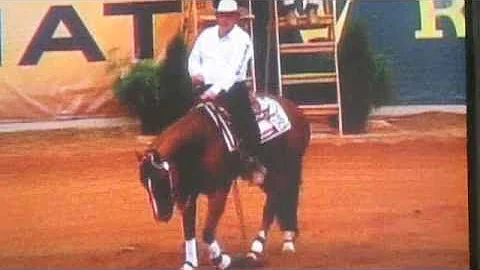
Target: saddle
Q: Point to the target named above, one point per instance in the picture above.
(271, 119)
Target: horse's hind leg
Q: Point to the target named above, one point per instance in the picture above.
(287, 218)
(216, 207)
(288, 210)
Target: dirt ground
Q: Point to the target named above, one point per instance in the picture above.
(394, 197)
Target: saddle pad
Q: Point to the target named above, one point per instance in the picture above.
(271, 118)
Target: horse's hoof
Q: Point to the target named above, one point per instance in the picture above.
(222, 262)
(247, 262)
(288, 247)
(251, 256)
(187, 266)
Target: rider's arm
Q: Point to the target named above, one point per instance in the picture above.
(237, 68)
(195, 58)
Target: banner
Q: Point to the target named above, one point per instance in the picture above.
(59, 59)
(423, 42)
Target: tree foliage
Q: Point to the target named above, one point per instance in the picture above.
(157, 93)
(364, 78)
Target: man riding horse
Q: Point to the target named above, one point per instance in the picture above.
(189, 158)
(218, 67)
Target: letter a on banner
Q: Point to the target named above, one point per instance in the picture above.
(43, 40)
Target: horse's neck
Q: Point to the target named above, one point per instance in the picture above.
(189, 128)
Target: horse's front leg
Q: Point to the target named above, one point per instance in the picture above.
(258, 244)
(188, 218)
(216, 207)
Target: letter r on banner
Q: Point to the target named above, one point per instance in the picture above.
(429, 14)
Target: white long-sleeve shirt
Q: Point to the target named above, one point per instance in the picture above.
(222, 61)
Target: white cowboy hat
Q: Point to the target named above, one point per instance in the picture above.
(227, 6)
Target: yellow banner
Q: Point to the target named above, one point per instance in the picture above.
(58, 59)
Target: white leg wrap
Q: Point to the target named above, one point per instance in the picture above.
(226, 261)
(191, 252)
(214, 250)
(288, 238)
(257, 246)
(288, 247)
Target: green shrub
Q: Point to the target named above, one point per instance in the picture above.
(382, 84)
(157, 93)
(364, 78)
(140, 87)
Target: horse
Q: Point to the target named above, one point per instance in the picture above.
(189, 158)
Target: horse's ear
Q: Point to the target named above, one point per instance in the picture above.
(144, 143)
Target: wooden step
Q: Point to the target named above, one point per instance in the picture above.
(303, 23)
(211, 18)
(309, 78)
(312, 111)
(306, 48)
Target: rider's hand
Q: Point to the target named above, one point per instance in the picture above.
(208, 94)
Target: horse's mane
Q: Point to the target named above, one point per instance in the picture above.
(190, 128)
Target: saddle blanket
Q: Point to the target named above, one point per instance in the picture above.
(271, 119)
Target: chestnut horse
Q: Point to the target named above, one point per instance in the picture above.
(189, 158)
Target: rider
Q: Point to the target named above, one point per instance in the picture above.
(218, 65)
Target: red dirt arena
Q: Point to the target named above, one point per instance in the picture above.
(394, 197)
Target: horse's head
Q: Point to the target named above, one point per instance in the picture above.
(157, 178)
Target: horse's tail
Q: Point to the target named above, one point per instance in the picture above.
(307, 127)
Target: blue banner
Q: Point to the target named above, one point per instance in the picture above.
(424, 44)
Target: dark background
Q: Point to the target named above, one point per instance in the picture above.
(473, 48)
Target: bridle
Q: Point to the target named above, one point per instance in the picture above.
(164, 165)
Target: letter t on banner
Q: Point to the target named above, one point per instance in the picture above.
(142, 21)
